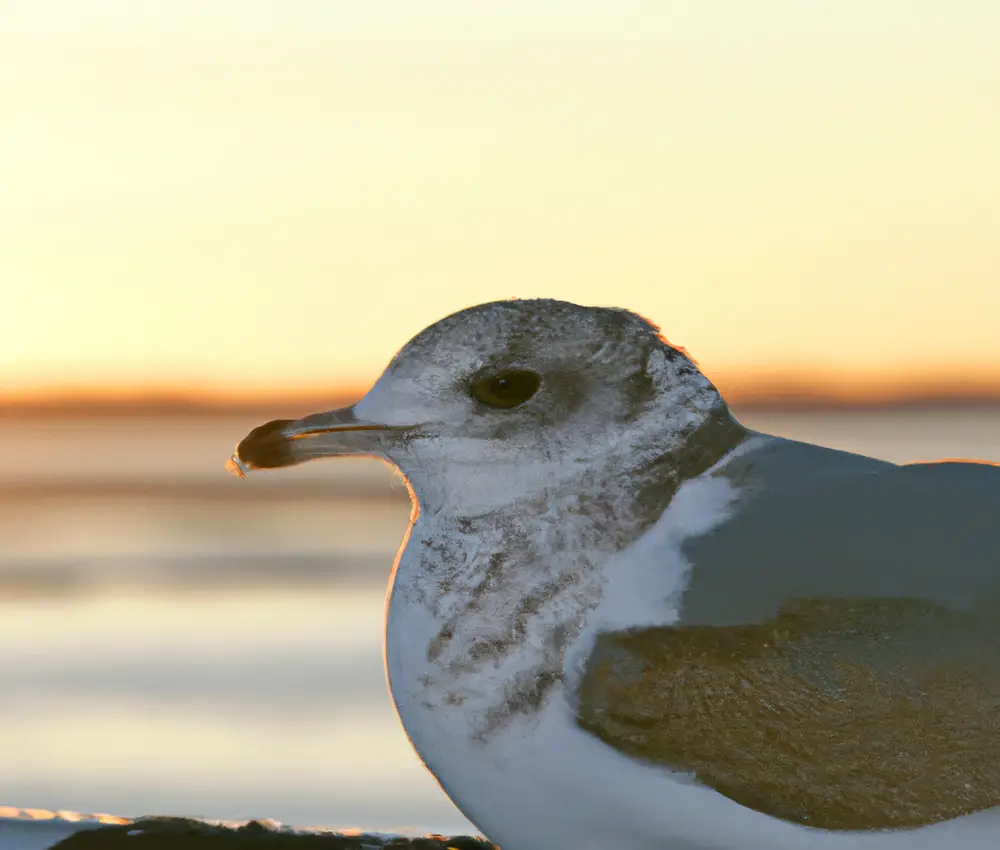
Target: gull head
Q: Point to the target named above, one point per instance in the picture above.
(508, 399)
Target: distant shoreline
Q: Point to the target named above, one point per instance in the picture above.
(170, 406)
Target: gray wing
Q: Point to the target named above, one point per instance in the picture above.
(826, 524)
(837, 660)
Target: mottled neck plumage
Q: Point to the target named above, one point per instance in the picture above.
(507, 591)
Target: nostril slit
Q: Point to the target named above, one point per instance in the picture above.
(267, 429)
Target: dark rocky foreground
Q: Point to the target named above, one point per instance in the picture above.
(185, 834)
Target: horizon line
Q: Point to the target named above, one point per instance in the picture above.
(785, 392)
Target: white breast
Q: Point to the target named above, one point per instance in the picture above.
(443, 717)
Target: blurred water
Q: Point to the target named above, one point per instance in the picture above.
(174, 640)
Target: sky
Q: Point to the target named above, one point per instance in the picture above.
(261, 195)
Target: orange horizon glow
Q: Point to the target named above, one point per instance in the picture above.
(770, 387)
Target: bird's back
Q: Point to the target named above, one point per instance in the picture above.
(816, 523)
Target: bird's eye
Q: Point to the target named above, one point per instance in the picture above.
(506, 389)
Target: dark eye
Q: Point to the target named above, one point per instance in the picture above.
(506, 389)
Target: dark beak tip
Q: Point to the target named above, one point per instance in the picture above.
(265, 447)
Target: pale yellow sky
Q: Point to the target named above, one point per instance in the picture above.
(269, 194)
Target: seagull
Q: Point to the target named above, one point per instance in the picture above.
(621, 619)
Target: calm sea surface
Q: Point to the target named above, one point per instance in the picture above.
(176, 641)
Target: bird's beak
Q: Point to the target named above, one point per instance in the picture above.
(285, 442)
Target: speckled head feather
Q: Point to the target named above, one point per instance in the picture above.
(609, 384)
(610, 391)
(501, 334)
